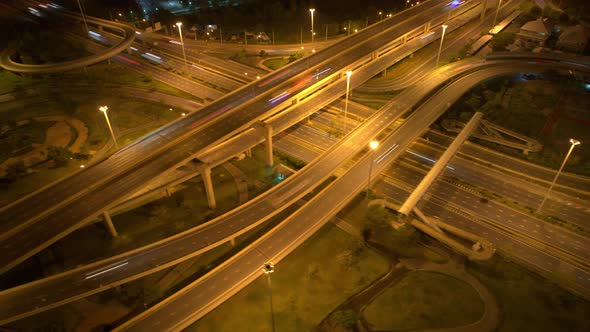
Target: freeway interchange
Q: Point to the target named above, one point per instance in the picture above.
(208, 128)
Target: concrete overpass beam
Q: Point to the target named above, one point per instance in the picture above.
(109, 224)
(440, 165)
(268, 139)
(205, 171)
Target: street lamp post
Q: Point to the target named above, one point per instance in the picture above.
(373, 145)
(179, 25)
(268, 269)
(83, 17)
(444, 27)
(380, 16)
(104, 109)
(497, 10)
(348, 73)
(573, 142)
(311, 10)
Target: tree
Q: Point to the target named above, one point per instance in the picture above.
(59, 155)
(502, 40)
(474, 102)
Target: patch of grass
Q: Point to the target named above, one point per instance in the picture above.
(528, 301)
(276, 63)
(8, 81)
(307, 285)
(424, 300)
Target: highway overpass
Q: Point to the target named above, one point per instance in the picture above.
(127, 32)
(186, 245)
(207, 292)
(45, 216)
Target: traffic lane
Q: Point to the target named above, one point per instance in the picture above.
(515, 164)
(511, 186)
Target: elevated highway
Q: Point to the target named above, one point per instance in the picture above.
(74, 284)
(206, 293)
(39, 219)
(127, 32)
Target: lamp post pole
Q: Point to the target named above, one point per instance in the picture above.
(573, 142)
(373, 145)
(268, 269)
(179, 25)
(348, 73)
(83, 17)
(104, 109)
(444, 26)
(497, 10)
(311, 10)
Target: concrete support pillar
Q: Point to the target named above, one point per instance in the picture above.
(168, 192)
(100, 28)
(440, 165)
(427, 27)
(374, 55)
(205, 171)
(232, 241)
(249, 153)
(268, 137)
(404, 39)
(109, 224)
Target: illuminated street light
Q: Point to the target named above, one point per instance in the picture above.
(104, 109)
(573, 142)
(348, 73)
(444, 26)
(380, 16)
(311, 10)
(373, 145)
(497, 10)
(269, 268)
(179, 24)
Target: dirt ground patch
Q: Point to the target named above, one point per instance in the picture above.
(59, 134)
